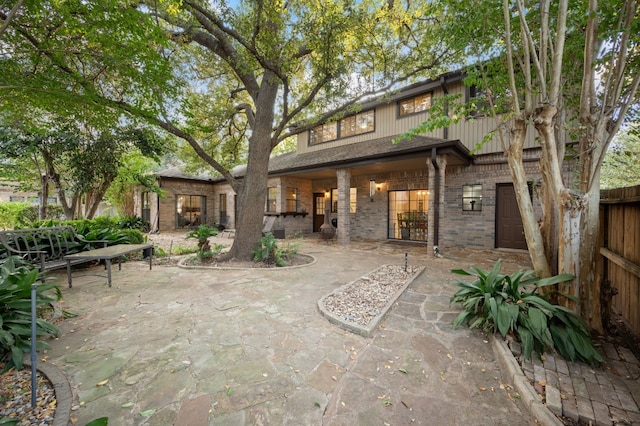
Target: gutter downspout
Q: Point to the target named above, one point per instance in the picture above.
(436, 209)
(445, 130)
(157, 218)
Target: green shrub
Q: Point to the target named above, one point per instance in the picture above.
(513, 304)
(131, 236)
(16, 278)
(133, 222)
(100, 228)
(17, 215)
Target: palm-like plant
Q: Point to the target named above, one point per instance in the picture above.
(202, 234)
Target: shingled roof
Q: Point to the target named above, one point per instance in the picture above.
(378, 150)
(363, 152)
(176, 173)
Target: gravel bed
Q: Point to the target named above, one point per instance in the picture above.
(15, 398)
(362, 300)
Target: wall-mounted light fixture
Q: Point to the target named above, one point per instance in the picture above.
(327, 194)
(372, 188)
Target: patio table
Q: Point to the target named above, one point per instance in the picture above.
(107, 254)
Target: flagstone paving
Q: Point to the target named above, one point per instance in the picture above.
(235, 347)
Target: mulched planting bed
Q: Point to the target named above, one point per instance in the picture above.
(15, 398)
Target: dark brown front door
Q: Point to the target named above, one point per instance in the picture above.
(318, 210)
(509, 229)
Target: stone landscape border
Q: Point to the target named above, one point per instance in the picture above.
(183, 264)
(61, 388)
(356, 328)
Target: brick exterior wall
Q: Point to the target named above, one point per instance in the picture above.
(476, 228)
(371, 221)
(167, 204)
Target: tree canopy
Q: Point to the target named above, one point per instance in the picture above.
(231, 79)
(79, 161)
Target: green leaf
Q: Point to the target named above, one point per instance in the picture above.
(148, 413)
(526, 338)
(543, 282)
(102, 421)
(538, 326)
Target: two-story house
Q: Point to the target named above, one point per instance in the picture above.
(428, 189)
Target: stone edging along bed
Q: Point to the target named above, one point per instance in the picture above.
(360, 329)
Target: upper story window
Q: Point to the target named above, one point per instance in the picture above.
(484, 99)
(324, 133)
(357, 124)
(415, 105)
(480, 98)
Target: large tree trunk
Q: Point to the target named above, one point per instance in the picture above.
(519, 176)
(252, 192)
(589, 277)
(44, 191)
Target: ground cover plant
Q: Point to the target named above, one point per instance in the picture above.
(514, 304)
(16, 279)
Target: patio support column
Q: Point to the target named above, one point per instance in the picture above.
(344, 217)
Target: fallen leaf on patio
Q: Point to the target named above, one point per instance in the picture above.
(449, 356)
(148, 413)
(483, 388)
(102, 383)
(127, 405)
(402, 370)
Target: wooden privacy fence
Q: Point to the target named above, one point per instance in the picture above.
(620, 248)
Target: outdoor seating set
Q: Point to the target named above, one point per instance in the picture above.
(60, 246)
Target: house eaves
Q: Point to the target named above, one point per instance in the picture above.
(377, 151)
(176, 173)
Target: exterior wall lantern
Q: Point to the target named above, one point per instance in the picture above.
(372, 188)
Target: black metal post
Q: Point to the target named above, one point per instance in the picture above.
(33, 346)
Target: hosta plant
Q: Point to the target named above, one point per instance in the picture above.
(514, 304)
(16, 279)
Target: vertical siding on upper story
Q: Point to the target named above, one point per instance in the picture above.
(388, 123)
